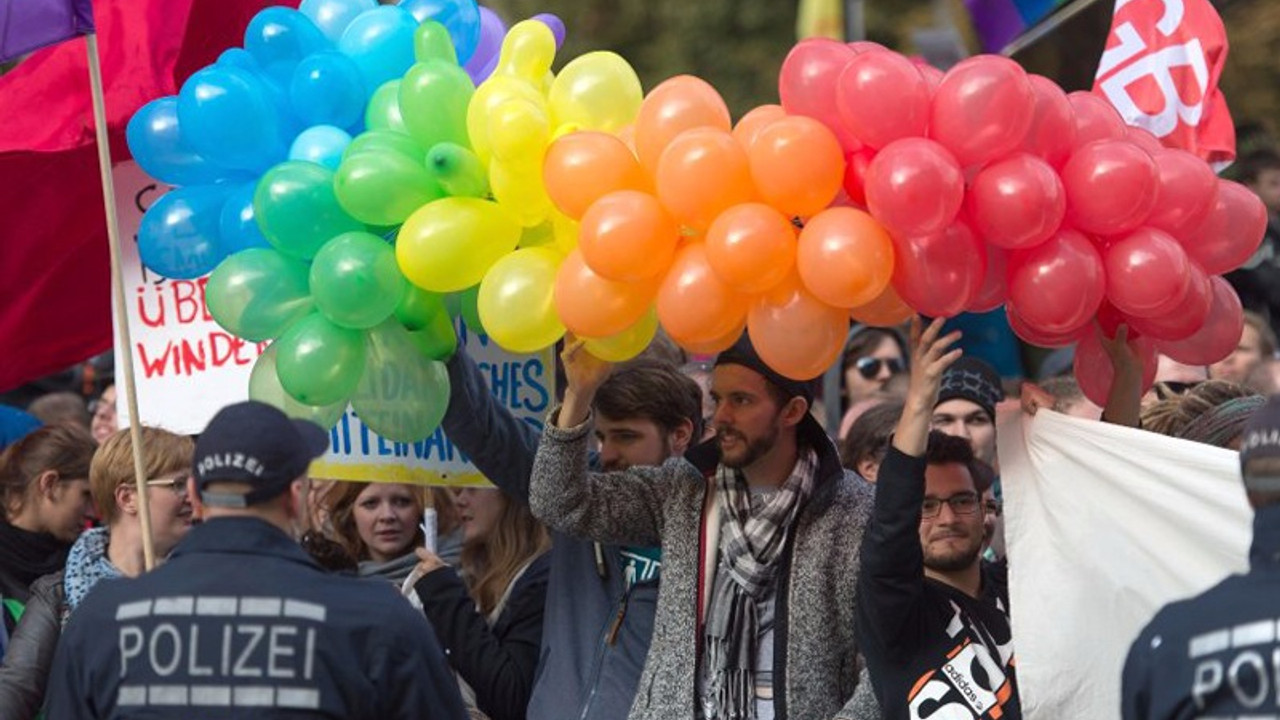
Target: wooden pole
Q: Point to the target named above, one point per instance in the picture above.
(124, 362)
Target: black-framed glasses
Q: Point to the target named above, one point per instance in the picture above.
(177, 485)
(962, 503)
(869, 367)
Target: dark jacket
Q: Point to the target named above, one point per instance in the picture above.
(1257, 281)
(241, 623)
(595, 632)
(24, 674)
(927, 644)
(498, 662)
(1217, 654)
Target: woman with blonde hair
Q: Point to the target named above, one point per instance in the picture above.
(379, 524)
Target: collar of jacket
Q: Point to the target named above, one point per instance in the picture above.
(241, 535)
(1265, 551)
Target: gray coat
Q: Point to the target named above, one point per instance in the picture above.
(815, 670)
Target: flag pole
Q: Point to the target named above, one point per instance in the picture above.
(117, 293)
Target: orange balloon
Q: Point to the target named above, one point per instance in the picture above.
(716, 345)
(677, 104)
(628, 236)
(886, 310)
(845, 257)
(751, 247)
(797, 165)
(753, 122)
(591, 306)
(694, 304)
(795, 333)
(702, 173)
(581, 167)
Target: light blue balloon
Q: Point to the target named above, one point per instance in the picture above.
(333, 16)
(237, 228)
(460, 17)
(229, 116)
(178, 236)
(279, 37)
(239, 58)
(327, 90)
(320, 144)
(380, 42)
(156, 142)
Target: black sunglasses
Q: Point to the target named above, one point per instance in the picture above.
(869, 367)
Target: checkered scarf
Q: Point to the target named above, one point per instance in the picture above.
(750, 546)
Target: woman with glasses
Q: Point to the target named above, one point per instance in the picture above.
(100, 553)
(872, 356)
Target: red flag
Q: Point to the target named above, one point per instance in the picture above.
(1161, 70)
(55, 300)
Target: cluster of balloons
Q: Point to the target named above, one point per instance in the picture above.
(997, 188)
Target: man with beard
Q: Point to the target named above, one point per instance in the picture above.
(759, 531)
(932, 617)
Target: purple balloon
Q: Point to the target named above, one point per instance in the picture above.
(556, 25)
(485, 58)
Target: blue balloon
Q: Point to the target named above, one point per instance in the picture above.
(279, 37)
(237, 227)
(333, 16)
(321, 144)
(239, 58)
(178, 237)
(327, 90)
(460, 17)
(230, 116)
(156, 141)
(380, 42)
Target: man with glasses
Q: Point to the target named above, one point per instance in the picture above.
(933, 618)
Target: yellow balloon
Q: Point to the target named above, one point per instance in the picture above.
(520, 190)
(566, 229)
(449, 244)
(491, 95)
(519, 131)
(626, 344)
(527, 52)
(516, 301)
(596, 91)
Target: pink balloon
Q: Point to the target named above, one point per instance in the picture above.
(1056, 287)
(1143, 138)
(1039, 338)
(865, 46)
(1095, 118)
(982, 109)
(807, 84)
(914, 187)
(1093, 366)
(1186, 191)
(1147, 273)
(1217, 337)
(940, 274)
(1232, 231)
(1017, 202)
(1111, 187)
(932, 75)
(1052, 135)
(882, 97)
(1185, 318)
(995, 290)
(855, 174)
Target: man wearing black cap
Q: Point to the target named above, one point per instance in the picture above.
(759, 531)
(967, 398)
(240, 622)
(1217, 655)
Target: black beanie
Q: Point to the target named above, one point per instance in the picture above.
(972, 379)
(744, 353)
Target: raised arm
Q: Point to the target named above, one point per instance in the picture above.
(1124, 401)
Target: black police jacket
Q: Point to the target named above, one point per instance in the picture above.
(241, 623)
(1217, 654)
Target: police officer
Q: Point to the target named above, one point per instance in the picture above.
(240, 622)
(1218, 654)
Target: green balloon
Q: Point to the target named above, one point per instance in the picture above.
(438, 342)
(417, 307)
(297, 210)
(381, 187)
(385, 140)
(264, 386)
(320, 363)
(257, 293)
(468, 302)
(458, 171)
(383, 111)
(402, 395)
(434, 96)
(356, 281)
(431, 41)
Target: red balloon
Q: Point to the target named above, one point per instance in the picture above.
(995, 290)
(1017, 202)
(1110, 319)
(1096, 119)
(1217, 337)
(1147, 273)
(807, 84)
(1186, 190)
(982, 109)
(1093, 366)
(914, 187)
(1039, 338)
(1052, 135)
(855, 174)
(1143, 138)
(932, 75)
(1187, 317)
(1232, 231)
(1111, 187)
(941, 273)
(1056, 287)
(865, 46)
(882, 97)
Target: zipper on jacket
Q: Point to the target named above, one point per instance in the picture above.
(611, 638)
(607, 640)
